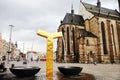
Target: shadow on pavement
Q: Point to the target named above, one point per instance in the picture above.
(57, 76)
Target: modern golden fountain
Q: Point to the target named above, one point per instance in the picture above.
(49, 62)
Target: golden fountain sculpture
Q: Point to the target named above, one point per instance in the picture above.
(49, 61)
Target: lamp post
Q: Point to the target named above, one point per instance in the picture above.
(9, 48)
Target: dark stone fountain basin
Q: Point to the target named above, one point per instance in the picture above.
(24, 71)
(70, 70)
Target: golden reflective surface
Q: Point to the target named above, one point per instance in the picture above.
(49, 62)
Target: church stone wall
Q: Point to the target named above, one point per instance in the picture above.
(86, 46)
(118, 35)
(67, 52)
(112, 47)
(96, 45)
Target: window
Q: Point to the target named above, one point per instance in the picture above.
(113, 37)
(104, 38)
(87, 42)
(68, 41)
(63, 31)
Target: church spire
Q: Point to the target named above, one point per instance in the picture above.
(16, 44)
(119, 5)
(72, 10)
(98, 3)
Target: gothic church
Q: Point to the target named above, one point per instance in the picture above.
(92, 33)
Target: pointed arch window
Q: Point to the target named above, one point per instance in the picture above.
(104, 38)
(68, 42)
(63, 31)
(113, 37)
(63, 44)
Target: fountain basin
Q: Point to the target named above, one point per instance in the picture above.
(24, 71)
(70, 70)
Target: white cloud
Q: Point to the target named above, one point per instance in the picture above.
(30, 15)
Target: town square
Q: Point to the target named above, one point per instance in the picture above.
(36, 44)
(99, 71)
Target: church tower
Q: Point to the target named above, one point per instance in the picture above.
(68, 46)
(98, 3)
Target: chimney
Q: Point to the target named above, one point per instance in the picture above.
(98, 3)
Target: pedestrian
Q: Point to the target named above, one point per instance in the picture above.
(2, 67)
(37, 59)
(94, 63)
(31, 59)
(91, 60)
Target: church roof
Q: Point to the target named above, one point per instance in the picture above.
(102, 12)
(71, 18)
(85, 33)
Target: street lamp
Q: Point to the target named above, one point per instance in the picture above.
(9, 48)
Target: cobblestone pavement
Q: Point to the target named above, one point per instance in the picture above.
(100, 71)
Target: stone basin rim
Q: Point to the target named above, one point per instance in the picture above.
(24, 67)
(70, 70)
(69, 67)
(24, 71)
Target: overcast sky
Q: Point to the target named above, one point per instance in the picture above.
(30, 15)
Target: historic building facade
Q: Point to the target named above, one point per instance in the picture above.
(0, 45)
(4, 48)
(92, 33)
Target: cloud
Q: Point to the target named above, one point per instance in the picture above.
(30, 15)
